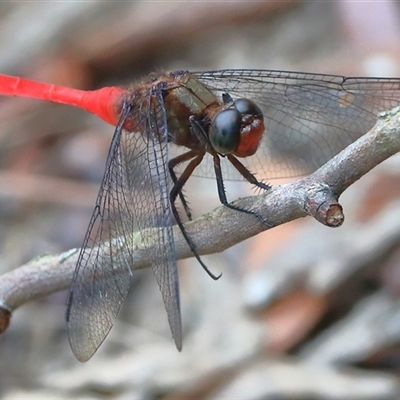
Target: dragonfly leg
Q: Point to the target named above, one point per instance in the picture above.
(175, 191)
(246, 173)
(226, 98)
(222, 194)
(171, 165)
(201, 135)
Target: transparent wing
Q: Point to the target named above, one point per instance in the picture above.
(133, 197)
(309, 118)
(163, 259)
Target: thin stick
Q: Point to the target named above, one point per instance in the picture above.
(316, 195)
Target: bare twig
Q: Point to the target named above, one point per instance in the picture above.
(316, 195)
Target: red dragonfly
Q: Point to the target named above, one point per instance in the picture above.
(249, 124)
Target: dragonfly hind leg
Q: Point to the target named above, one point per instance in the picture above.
(171, 165)
(196, 158)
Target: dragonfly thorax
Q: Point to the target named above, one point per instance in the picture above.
(227, 127)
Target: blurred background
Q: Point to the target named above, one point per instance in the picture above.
(301, 311)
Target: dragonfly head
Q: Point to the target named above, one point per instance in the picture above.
(237, 129)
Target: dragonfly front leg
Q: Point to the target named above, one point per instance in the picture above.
(222, 194)
(246, 173)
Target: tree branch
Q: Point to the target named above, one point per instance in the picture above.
(316, 195)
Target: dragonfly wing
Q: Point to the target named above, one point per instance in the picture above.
(102, 276)
(131, 199)
(309, 118)
(164, 258)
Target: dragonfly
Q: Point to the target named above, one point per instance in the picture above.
(252, 125)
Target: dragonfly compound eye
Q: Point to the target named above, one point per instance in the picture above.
(247, 107)
(225, 131)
